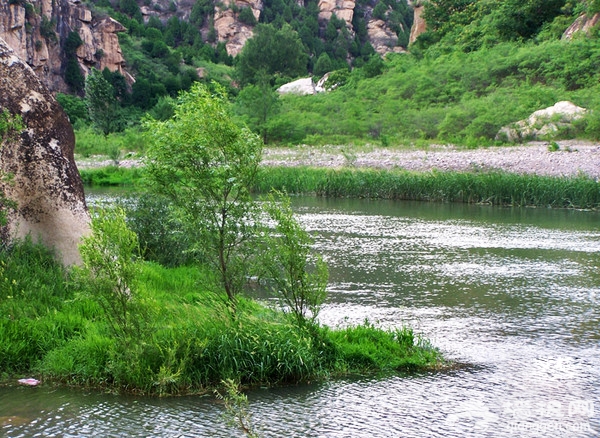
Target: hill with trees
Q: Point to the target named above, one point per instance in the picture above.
(480, 65)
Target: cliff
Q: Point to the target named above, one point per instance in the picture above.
(37, 31)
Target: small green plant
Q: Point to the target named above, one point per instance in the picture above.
(10, 126)
(114, 153)
(236, 408)
(349, 157)
(110, 269)
(298, 276)
(553, 147)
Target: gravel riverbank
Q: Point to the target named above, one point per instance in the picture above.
(573, 158)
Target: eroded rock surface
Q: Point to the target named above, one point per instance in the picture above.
(37, 29)
(229, 29)
(419, 25)
(46, 185)
(583, 23)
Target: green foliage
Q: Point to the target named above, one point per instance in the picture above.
(297, 276)
(110, 176)
(205, 164)
(367, 347)
(32, 285)
(257, 104)
(323, 65)
(75, 108)
(49, 328)
(236, 407)
(47, 27)
(246, 16)
(163, 237)
(103, 108)
(11, 126)
(110, 270)
(275, 52)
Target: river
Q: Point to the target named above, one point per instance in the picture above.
(512, 295)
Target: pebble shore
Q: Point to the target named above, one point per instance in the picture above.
(571, 159)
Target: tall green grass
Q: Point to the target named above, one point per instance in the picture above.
(495, 188)
(111, 176)
(52, 329)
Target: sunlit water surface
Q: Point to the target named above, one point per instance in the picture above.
(513, 294)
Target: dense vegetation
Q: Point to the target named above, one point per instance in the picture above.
(183, 340)
(493, 188)
(480, 66)
(159, 304)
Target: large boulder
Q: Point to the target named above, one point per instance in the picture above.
(45, 185)
(542, 123)
(301, 87)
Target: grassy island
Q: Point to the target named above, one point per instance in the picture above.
(183, 338)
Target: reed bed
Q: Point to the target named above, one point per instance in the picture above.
(494, 188)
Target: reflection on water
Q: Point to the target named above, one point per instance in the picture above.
(515, 293)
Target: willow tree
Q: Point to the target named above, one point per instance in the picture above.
(205, 163)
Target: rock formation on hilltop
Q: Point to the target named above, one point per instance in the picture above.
(45, 184)
(37, 31)
(229, 28)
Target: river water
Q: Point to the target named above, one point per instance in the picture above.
(513, 295)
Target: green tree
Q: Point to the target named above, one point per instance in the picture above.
(323, 65)
(73, 76)
(247, 16)
(74, 106)
(103, 107)
(299, 277)
(257, 103)
(110, 269)
(276, 52)
(206, 164)
(11, 127)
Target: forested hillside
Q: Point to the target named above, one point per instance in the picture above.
(479, 66)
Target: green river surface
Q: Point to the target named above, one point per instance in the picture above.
(511, 294)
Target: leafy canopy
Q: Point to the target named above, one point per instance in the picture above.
(205, 163)
(274, 52)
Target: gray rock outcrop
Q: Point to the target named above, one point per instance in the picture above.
(542, 123)
(45, 182)
(37, 29)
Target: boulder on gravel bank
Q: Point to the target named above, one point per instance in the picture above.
(542, 123)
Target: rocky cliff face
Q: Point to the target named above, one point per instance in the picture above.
(229, 29)
(419, 26)
(583, 23)
(343, 9)
(37, 31)
(45, 183)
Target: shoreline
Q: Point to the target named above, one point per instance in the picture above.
(573, 158)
